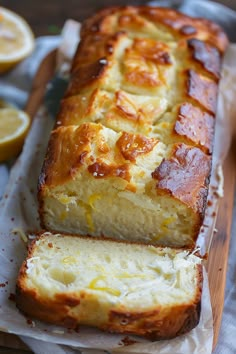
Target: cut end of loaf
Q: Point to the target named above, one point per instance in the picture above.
(118, 287)
(124, 186)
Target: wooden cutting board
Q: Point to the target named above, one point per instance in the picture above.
(218, 257)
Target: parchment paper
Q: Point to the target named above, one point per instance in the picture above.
(19, 212)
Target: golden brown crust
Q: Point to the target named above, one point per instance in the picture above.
(72, 147)
(145, 78)
(101, 34)
(197, 126)
(136, 17)
(131, 145)
(177, 321)
(202, 90)
(60, 163)
(185, 176)
(141, 61)
(157, 324)
(94, 48)
(207, 55)
(125, 108)
(102, 170)
(87, 76)
(111, 110)
(185, 26)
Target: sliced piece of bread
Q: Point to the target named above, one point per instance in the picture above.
(118, 287)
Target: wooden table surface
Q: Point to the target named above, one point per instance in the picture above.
(47, 18)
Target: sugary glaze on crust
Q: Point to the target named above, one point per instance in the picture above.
(207, 55)
(143, 87)
(196, 125)
(202, 90)
(189, 164)
(94, 150)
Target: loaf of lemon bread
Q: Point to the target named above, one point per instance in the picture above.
(130, 155)
(117, 287)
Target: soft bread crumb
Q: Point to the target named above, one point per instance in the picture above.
(79, 274)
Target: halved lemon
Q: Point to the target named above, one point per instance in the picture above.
(16, 39)
(14, 125)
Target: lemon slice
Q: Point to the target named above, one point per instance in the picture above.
(14, 125)
(16, 39)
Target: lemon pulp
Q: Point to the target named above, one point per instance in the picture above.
(16, 39)
(14, 125)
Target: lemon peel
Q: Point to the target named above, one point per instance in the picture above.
(14, 125)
